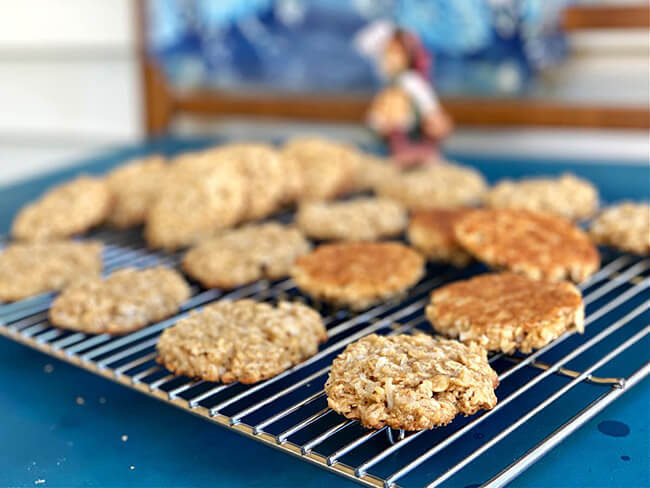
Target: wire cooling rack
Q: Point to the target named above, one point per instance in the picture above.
(543, 397)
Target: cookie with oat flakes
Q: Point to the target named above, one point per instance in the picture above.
(242, 340)
(134, 187)
(361, 219)
(65, 210)
(625, 226)
(443, 185)
(245, 255)
(127, 300)
(30, 268)
(328, 168)
(568, 196)
(410, 382)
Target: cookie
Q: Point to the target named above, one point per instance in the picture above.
(443, 185)
(328, 168)
(134, 187)
(195, 204)
(262, 169)
(506, 311)
(294, 184)
(245, 255)
(567, 196)
(362, 219)
(358, 274)
(432, 233)
(541, 246)
(242, 340)
(65, 210)
(373, 172)
(625, 226)
(125, 301)
(410, 382)
(27, 269)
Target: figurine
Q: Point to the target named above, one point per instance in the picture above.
(406, 113)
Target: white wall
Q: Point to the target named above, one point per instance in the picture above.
(69, 81)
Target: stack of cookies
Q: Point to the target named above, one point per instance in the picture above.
(347, 253)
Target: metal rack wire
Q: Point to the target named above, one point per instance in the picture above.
(289, 411)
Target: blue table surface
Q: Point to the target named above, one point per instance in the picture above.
(63, 426)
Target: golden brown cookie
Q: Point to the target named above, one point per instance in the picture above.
(134, 187)
(568, 196)
(362, 219)
(27, 269)
(125, 301)
(328, 168)
(625, 226)
(358, 274)
(410, 382)
(245, 255)
(242, 340)
(541, 246)
(432, 233)
(506, 311)
(443, 185)
(195, 204)
(65, 210)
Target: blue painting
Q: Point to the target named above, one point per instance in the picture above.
(479, 47)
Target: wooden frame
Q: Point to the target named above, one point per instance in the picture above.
(162, 103)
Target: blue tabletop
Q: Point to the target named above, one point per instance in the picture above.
(63, 426)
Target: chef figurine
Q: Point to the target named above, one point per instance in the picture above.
(406, 113)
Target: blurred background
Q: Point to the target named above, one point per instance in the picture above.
(540, 78)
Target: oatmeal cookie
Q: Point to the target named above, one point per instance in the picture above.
(134, 186)
(65, 210)
(373, 172)
(432, 233)
(410, 382)
(568, 196)
(27, 269)
(245, 255)
(541, 246)
(242, 340)
(362, 219)
(263, 171)
(443, 185)
(358, 274)
(195, 205)
(625, 226)
(328, 168)
(294, 184)
(125, 301)
(506, 311)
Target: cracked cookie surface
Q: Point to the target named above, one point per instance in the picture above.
(506, 311)
(539, 245)
(358, 274)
